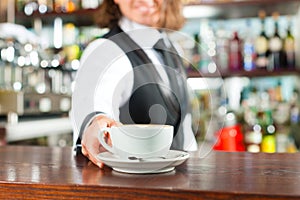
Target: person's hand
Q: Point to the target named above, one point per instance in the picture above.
(91, 146)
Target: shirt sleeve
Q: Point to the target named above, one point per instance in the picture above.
(100, 84)
(190, 143)
(113, 70)
(114, 87)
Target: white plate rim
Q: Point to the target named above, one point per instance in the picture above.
(107, 156)
(158, 165)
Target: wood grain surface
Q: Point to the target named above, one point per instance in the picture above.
(31, 172)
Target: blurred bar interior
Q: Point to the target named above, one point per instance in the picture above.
(242, 60)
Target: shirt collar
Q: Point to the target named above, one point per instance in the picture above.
(144, 36)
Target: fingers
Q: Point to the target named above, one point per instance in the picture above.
(104, 121)
(92, 157)
(90, 144)
(107, 138)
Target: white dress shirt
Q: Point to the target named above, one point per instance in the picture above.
(109, 95)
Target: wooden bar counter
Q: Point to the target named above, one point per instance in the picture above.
(29, 172)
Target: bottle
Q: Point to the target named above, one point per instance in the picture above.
(208, 48)
(72, 5)
(20, 4)
(235, 53)
(50, 5)
(268, 143)
(278, 92)
(294, 135)
(222, 42)
(249, 50)
(66, 5)
(45, 6)
(262, 44)
(253, 138)
(196, 52)
(253, 129)
(276, 47)
(59, 6)
(90, 4)
(30, 7)
(289, 48)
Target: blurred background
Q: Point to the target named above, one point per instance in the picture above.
(242, 60)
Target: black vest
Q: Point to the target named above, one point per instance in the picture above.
(152, 101)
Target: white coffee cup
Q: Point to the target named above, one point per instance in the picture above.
(138, 140)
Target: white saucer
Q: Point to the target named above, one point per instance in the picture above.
(150, 165)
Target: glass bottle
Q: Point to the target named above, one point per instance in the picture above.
(235, 52)
(294, 135)
(196, 52)
(253, 138)
(278, 92)
(20, 4)
(222, 42)
(208, 47)
(249, 50)
(289, 48)
(59, 6)
(45, 6)
(90, 4)
(253, 129)
(72, 5)
(30, 7)
(262, 44)
(268, 143)
(276, 47)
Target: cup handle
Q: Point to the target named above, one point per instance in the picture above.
(102, 141)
